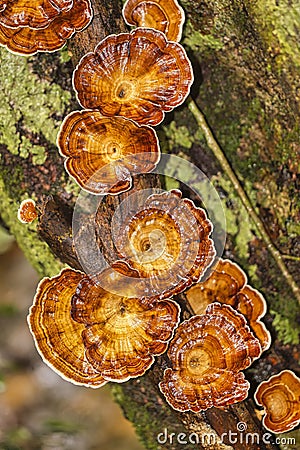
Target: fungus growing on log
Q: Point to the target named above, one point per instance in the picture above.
(26, 40)
(280, 398)
(227, 284)
(122, 335)
(56, 335)
(104, 152)
(167, 242)
(138, 75)
(207, 354)
(163, 15)
(27, 212)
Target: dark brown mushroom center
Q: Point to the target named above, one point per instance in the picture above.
(124, 90)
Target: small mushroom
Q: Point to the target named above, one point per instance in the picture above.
(280, 397)
(227, 284)
(208, 353)
(27, 212)
(104, 152)
(25, 40)
(121, 334)
(167, 242)
(138, 75)
(58, 337)
(35, 14)
(163, 15)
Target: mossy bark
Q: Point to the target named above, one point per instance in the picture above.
(246, 63)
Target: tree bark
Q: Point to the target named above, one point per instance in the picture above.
(247, 82)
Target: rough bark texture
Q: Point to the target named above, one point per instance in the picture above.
(246, 63)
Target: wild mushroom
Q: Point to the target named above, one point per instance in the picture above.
(104, 152)
(122, 335)
(167, 242)
(25, 40)
(227, 284)
(138, 75)
(27, 212)
(280, 398)
(207, 354)
(37, 14)
(56, 335)
(163, 15)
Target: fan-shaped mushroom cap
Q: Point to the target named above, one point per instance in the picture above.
(58, 337)
(34, 14)
(122, 334)
(27, 212)
(138, 75)
(167, 242)
(27, 41)
(163, 15)
(280, 397)
(104, 152)
(227, 284)
(208, 353)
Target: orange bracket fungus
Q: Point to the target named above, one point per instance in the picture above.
(227, 284)
(163, 15)
(34, 14)
(167, 242)
(58, 337)
(122, 334)
(27, 212)
(104, 152)
(280, 397)
(27, 40)
(208, 353)
(138, 75)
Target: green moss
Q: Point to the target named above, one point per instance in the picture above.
(178, 135)
(197, 41)
(29, 104)
(36, 251)
(278, 23)
(238, 224)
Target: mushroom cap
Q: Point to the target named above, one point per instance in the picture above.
(208, 353)
(163, 15)
(57, 337)
(104, 152)
(122, 334)
(227, 284)
(35, 14)
(167, 242)
(138, 75)
(27, 212)
(280, 397)
(27, 41)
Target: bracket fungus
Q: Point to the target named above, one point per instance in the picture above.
(28, 40)
(280, 397)
(163, 15)
(207, 354)
(104, 152)
(36, 14)
(167, 242)
(138, 75)
(122, 334)
(227, 284)
(58, 337)
(27, 212)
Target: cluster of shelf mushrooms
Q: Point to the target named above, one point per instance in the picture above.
(89, 334)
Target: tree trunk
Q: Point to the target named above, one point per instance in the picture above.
(246, 57)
